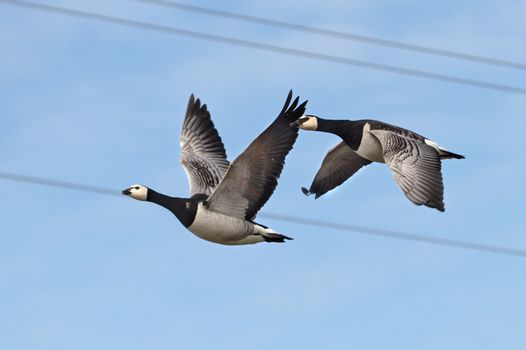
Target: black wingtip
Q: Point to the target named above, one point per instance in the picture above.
(191, 101)
(309, 192)
(295, 106)
(287, 102)
(434, 205)
(191, 105)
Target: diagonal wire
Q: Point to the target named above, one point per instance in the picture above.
(336, 34)
(396, 234)
(57, 183)
(293, 219)
(267, 47)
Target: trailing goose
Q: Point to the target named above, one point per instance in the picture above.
(225, 198)
(414, 160)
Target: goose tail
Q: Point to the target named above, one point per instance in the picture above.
(269, 235)
(444, 154)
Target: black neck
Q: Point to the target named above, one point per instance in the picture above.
(350, 131)
(183, 208)
(337, 127)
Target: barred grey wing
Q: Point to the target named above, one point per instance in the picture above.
(203, 154)
(416, 168)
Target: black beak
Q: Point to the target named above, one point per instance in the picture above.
(295, 124)
(126, 192)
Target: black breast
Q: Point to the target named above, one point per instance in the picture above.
(187, 210)
(352, 133)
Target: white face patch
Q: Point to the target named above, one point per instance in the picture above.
(138, 192)
(308, 123)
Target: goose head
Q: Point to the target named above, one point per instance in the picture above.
(306, 122)
(136, 191)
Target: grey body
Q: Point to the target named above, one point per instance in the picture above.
(225, 229)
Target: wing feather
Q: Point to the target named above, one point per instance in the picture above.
(203, 154)
(254, 174)
(340, 163)
(416, 168)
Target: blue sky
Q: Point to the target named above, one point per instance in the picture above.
(101, 104)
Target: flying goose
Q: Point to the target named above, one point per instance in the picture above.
(413, 159)
(225, 198)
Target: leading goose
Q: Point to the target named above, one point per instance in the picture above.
(414, 160)
(224, 197)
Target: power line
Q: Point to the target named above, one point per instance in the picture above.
(337, 34)
(397, 235)
(292, 219)
(266, 47)
(60, 184)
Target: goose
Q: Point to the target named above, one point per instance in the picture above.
(414, 160)
(225, 197)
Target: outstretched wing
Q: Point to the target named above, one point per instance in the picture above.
(340, 163)
(203, 154)
(253, 176)
(415, 166)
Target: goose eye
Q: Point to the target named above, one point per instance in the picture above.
(136, 187)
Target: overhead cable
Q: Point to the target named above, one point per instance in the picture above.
(292, 219)
(267, 47)
(337, 34)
